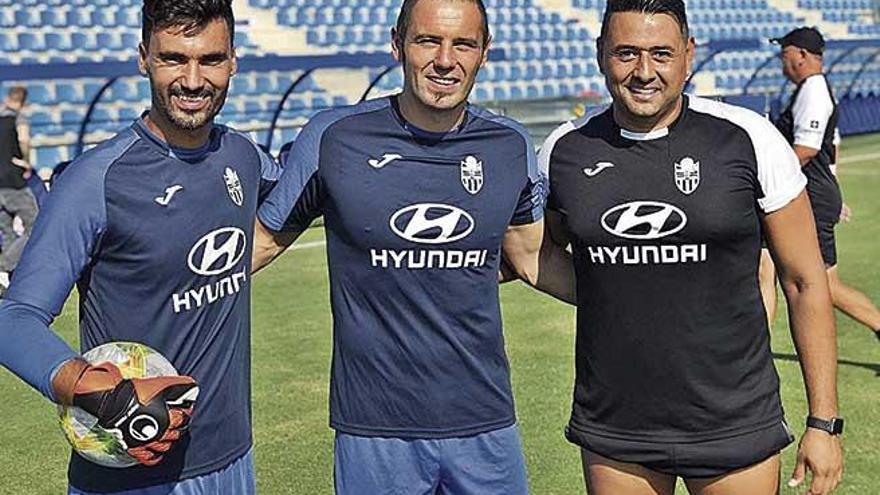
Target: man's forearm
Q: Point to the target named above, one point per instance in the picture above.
(24, 141)
(29, 348)
(805, 153)
(268, 245)
(815, 338)
(556, 274)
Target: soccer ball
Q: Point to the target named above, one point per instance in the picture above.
(87, 438)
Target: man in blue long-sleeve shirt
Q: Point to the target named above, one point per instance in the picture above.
(154, 227)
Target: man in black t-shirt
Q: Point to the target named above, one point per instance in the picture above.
(660, 198)
(809, 124)
(16, 199)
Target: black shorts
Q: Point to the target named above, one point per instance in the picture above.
(827, 246)
(703, 459)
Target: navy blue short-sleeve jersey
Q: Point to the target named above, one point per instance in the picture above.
(158, 242)
(414, 224)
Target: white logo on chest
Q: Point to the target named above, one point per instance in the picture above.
(233, 186)
(386, 159)
(687, 175)
(597, 169)
(217, 252)
(169, 193)
(431, 223)
(644, 220)
(472, 174)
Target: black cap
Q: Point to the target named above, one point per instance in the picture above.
(808, 38)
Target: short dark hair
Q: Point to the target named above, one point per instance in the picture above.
(675, 8)
(17, 94)
(190, 15)
(406, 12)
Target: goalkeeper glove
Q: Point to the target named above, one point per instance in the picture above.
(147, 414)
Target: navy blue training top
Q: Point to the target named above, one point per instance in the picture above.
(158, 242)
(414, 223)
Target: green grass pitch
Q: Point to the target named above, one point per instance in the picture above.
(291, 356)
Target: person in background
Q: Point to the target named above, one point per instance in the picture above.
(16, 198)
(809, 123)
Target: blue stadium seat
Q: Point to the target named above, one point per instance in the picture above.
(129, 113)
(59, 40)
(27, 18)
(48, 156)
(8, 42)
(104, 18)
(41, 93)
(109, 40)
(79, 17)
(143, 89)
(128, 17)
(54, 18)
(131, 40)
(84, 40)
(265, 84)
(71, 117)
(91, 88)
(34, 42)
(7, 18)
(123, 91)
(69, 91)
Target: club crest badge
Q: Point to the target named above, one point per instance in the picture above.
(472, 174)
(233, 186)
(687, 175)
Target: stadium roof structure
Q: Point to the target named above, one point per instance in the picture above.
(841, 48)
(307, 63)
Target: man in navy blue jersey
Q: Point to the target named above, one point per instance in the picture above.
(154, 228)
(422, 194)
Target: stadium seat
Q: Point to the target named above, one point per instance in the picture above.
(34, 42)
(84, 40)
(7, 18)
(48, 156)
(60, 41)
(8, 42)
(41, 93)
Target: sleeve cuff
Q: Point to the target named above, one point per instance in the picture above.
(809, 140)
(265, 219)
(785, 194)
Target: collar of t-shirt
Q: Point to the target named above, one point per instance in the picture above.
(183, 154)
(804, 81)
(421, 134)
(7, 112)
(656, 133)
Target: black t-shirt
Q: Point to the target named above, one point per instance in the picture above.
(672, 342)
(10, 175)
(811, 120)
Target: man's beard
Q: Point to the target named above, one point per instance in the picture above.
(185, 120)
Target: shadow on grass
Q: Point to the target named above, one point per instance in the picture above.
(846, 362)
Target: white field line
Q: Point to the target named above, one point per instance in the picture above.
(307, 245)
(860, 158)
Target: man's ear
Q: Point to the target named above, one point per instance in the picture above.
(485, 56)
(600, 46)
(396, 45)
(691, 54)
(142, 60)
(233, 69)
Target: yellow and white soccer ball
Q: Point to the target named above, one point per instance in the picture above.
(87, 438)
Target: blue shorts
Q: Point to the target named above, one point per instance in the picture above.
(487, 464)
(237, 478)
